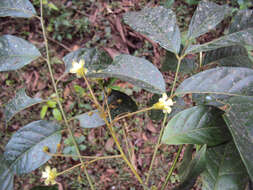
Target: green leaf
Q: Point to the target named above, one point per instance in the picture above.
(239, 119)
(51, 103)
(6, 175)
(125, 67)
(242, 37)
(235, 56)
(224, 169)
(194, 169)
(57, 114)
(14, 8)
(170, 64)
(118, 102)
(43, 111)
(95, 59)
(187, 157)
(197, 125)
(242, 20)
(206, 17)
(20, 102)
(15, 53)
(25, 148)
(215, 86)
(159, 24)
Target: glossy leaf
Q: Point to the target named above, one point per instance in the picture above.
(197, 125)
(224, 169)
(242, 20)
(187, 158)
(16, 8)
(235, 56)
(242, 37)
(159, 24)
(170, 64)
(6, 175)
(206, 17)
(20, 102)
(135, 70)
(239, 118)
(25, 148)
(215, 86)
(118, 102)
(15, 53)
(193, 170)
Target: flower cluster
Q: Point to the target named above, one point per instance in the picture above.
(78, 68)
(164, 104)
(50, 175)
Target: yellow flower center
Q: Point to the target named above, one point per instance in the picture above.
(164, 104)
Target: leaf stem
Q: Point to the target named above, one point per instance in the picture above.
(172, 167)
(176, 76)
(156, 149)
(109, 125)
(56, 91)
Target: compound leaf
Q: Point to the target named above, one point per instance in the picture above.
(25, 148)
(15, 53)
(159, 24)
(135, 70)
(206, 17)
(197, 125)
(20, 102)
(118, 103)
(193, 170)
(6, 175)
(224, 169)
(239, 119)
(235, 56)
(215, 86)
(16, 8)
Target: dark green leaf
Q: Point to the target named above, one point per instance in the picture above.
(170, 64)
(135, 70)
(159, 24)
(15, 53)
(20, 102)
(186, 160)
(25, 148)
(242, 20)
(224, 169)
(242, 37)
(118, 102)
(197, 125)
(206, 17)
(193, 170)
(95, 60)
(239, 118)
(57, 114)
(55, 187)
(215, 86)
(16, 8)
(235, 56)
(6, 175)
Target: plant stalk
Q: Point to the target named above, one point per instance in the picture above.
(56, 91)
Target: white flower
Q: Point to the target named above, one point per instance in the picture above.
(78, 68)
(164, 104)
(50, 175)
